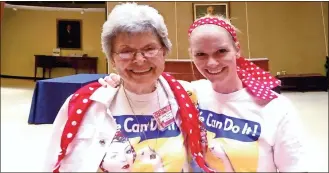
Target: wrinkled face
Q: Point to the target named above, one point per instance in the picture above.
(137, 69)
(214, 54)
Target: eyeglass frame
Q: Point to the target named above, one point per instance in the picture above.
(134, 53)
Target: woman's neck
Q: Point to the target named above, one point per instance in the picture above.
(140, 89)
(232, 85)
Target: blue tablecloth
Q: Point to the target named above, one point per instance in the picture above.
(50, 94)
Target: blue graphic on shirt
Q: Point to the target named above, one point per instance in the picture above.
(230, 127)
(145, 127)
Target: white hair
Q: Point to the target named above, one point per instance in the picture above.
(133, 18)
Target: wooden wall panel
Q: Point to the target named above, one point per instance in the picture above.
(285, 32)
(186, 70)
(2, 7)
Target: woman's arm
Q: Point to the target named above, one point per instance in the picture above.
(55, 137)
(290, 152)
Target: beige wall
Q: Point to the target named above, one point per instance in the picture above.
(290, 34)
(28, 32)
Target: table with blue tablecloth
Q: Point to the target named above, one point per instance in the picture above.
(49, 95)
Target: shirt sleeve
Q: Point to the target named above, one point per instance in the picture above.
(53, 148)
(290, 154)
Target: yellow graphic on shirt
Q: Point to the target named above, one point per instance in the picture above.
(160, 155)
(192, 96)
(232, 143)
(156, 151)
(231, 155)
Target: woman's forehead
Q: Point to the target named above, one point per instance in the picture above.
(209, 31)
(210, 36)
(140, 38)
(130, 35)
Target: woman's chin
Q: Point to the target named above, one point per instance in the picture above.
(123, 170)
(219, 77)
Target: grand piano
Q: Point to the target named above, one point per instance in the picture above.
(49, 62)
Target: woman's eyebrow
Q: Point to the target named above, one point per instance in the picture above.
(127, 147)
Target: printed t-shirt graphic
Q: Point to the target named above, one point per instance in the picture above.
(120, 155)
(156, 150)
(228, 138)
(240, 130)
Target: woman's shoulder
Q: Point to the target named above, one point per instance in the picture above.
(202, 83)
(202, 86)
(186, 85)
(280, 107)
(281, 100)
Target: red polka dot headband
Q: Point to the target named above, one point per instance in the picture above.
(258, 82)
(217, 22)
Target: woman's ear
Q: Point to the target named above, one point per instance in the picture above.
(237, 49)
(190, 52)
(238, 55)
(112, 63)
(165, 52)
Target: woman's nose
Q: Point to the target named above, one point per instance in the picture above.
(139, 58)
(212, 62)
(122, 157)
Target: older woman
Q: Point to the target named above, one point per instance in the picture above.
(137, 126)
(249, 127)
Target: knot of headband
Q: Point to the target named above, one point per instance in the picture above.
(258, 82)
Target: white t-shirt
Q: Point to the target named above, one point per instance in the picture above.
(249, 135)
(156, 150)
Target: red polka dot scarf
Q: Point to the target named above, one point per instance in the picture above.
(78, 106)
(191, 127)
(258, 82)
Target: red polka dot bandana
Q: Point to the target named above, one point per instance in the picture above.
(258, 82)
(78, 106)
(191, 127)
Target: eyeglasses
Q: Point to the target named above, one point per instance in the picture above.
(148, 53)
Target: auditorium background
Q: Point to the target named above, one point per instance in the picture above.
(289, 34)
